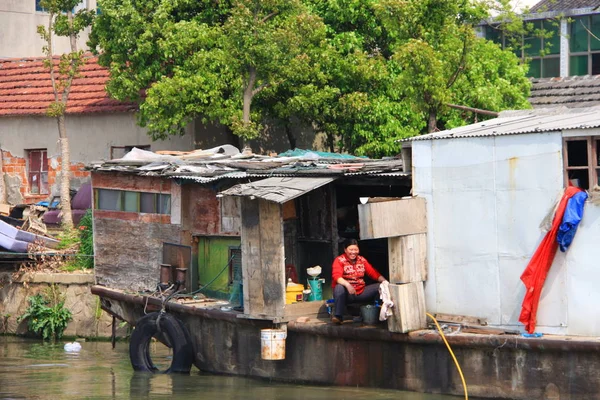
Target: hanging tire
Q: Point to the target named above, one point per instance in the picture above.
(168, 330)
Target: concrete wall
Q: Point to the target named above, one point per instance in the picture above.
(88, 319)
(486, 198)
(90, 137)
(18, 30)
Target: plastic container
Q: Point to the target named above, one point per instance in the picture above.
(272, 344)
(316, 288)
(293, 292)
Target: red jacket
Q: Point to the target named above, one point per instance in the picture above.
(353, 272)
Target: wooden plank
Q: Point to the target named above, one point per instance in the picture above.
(392, 218)
(4, 209)
(251, 260)
(408, 258)
(313, 309)
(460, 319)
(488, 331)
(409, 312)
(272, 257)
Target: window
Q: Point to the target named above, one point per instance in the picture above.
(129, 201)
(81, 6)
(582, 168)
(120, 151)
(584, 45)
(37, 171)
(38, 7)
(541, 46)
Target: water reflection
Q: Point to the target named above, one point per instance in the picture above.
(34, 370)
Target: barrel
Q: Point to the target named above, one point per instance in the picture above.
(272, 344)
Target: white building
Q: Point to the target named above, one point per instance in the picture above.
(18, 29)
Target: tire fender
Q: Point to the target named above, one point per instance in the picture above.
(172, 333)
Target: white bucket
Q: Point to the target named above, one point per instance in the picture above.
(272, 344)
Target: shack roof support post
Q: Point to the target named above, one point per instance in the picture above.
(263, 260)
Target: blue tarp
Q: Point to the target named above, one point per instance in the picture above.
(316, 154)
(571, 219)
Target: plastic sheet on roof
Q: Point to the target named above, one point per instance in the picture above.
(314, 155)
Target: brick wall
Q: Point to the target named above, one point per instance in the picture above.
(119, 181)
(17, 166)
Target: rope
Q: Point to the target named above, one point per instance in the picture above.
(452, 354)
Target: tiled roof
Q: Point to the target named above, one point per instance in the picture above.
(26, 89)
(571, 92)
(563, 5)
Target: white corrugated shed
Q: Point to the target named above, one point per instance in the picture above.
(486, 196)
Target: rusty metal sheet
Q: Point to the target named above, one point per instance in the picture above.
(279, 189)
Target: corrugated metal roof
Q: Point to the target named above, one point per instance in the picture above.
(206, 179)
(278, 190)
(515, 123)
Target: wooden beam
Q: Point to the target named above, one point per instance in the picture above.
(392, 218)
(272, 257)
(251, 258)
(408, 258)
(409, 312)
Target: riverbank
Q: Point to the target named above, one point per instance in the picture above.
(89, 321)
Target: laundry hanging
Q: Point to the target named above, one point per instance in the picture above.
(536, 271)
(571, 219)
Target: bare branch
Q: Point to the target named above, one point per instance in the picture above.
(268, 17)
(475, 110)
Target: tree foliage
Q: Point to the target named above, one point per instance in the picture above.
(365, 72)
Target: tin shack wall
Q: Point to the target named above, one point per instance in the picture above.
(486, 198)
(129, 246)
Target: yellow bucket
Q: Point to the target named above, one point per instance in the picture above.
(293, 293)
(272, 344)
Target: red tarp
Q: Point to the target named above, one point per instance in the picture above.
(535, 274)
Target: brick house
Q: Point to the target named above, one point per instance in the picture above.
(98, 127)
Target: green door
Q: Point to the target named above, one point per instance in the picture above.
(219, 266)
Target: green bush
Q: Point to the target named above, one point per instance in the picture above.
(46, 314)
(85, 259)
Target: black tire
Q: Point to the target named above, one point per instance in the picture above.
(172, 333)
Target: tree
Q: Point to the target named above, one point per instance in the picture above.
(365, 72)
(63, 22)
(211, 65)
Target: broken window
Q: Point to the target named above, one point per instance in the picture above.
(120, 151)
(129, 201)
(37, 171)
(581, 161)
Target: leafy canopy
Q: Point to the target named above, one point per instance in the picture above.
(365, 72)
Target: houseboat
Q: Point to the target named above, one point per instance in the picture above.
(458, 225)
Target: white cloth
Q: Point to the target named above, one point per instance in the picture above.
(386, 301)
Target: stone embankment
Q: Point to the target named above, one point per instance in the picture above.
(89, 321)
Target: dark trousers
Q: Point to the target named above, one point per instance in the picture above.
(342, 297)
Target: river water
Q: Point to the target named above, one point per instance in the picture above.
(30, 369)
